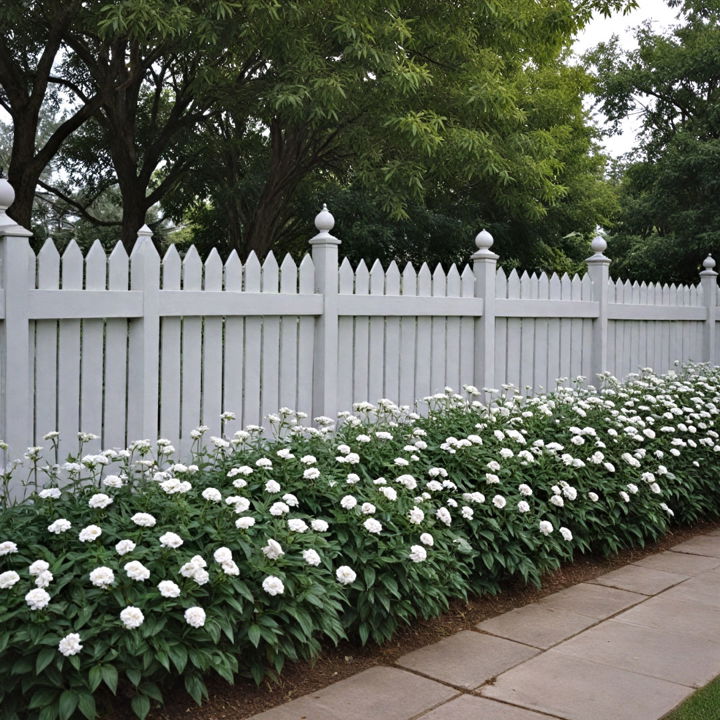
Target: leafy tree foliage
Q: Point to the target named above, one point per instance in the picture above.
(669, 218)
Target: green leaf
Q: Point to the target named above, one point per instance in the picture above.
(42, 697)
(67, 704)
(110, 677)
(369, 575)
(134, 676)
(195, 687)
(254, 634)
(94, 677)
(140, 705)
(178, 654)
(86, 705)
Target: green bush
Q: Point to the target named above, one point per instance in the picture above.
(257, 551)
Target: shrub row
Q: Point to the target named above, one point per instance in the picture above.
(129, 569)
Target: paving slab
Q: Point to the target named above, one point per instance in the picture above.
(537, 625)
(684, 659)
(595, 601)
(469, 707)
(713, 533)
(381, 692)
(700, 545)
(703, 588)
(576, 689)
(676, 615)
(680, 563)
(467, 659)
(643, 580)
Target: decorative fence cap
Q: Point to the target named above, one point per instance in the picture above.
(7, 193)
(709, 265)
(324, 222)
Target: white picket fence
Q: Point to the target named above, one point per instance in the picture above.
(142, 347)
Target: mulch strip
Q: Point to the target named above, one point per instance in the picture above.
(244, 698)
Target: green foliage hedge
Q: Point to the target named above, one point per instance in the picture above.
(261, 550)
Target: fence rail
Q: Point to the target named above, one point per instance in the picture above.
(141, 346)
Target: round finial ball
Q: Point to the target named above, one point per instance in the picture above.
(598, 244)
(7, 194)
(709, 262)
(324, 221)
(484, 240)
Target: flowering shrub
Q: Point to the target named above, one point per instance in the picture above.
(125, 569)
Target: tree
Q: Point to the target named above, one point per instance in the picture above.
(669, 217)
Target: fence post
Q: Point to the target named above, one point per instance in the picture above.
(709, 287)
(144, 341)
(15, 251)
(325, 258)
(598, 267)
(485, 269)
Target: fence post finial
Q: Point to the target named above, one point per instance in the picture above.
(598, 267)
(484, 262)
(708, 282)
(144, 232)
(8, 227)
(325, 368)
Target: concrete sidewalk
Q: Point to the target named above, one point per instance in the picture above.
(628, 645)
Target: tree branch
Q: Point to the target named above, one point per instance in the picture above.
(78, 206)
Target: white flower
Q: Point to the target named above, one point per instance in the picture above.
(222, 555)
(319, 525)
(273, 585)
(632, 488)
(311, 473)
(427, 539)
(418, 553)
(212, 494)
(168, 589)
(308, 459)
(99, 501)
(44, 579)
(273, 550)
(143, 519)
(557, 500)
(279, 508)
(242, 470)
(467, 512)
(345, 575)
(523, 506)
(367, 508)
(57, 527)
(352, 478)
(297, 525)
(102, 576)
(569, 492)
(443, 514)
(239, 503)
(566, 534)
(195, 617)
(372, 526)
(263, 463)
(593, 496)
(230, 568)
(7, 547)
(491, 479)
(545, 527)
(37, 599)
(50, 493)
(407, 481)
(112, 481)
(311, 557)
(171, 540)
(90, 533)
(38, 567)
(132, 617)
(499, 502)
(8, 579)
(624, 496)
(655, 488)
(525, 490)
(272, 487)
(136, 571)
(124, 547)
(348, 502)
(416, 515)
(245, 522)
(70, 645)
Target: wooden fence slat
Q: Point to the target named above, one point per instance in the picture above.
(270, 354)
(253, 344)
(212, 357)
(287, 396)
(408, 353)
(361, 340)
(170, 354)
(438, 347)
(391, 388)
(233, 349)
(423, 347)
(306, 337)
(376, 338)
(191, 394)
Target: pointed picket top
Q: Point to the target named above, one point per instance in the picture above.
(439, 281)
(554, 287)
(586, 287)
(192, 266)
(118, 268)
(233, 272)
(392, 279)
(72, 267)
(377, 279)
(409, 280)
(171, 269)
(362, 279)
(544, 286)
(346, 278)
(48, 266)
(467, 282)
(270, 274)
(213, 271)
(666, 294)
(31, 266)
(424, 280)
(306, 275)
(253, 273)
(288, 275)
(643, 293)
(453, 282)
(565, 286)
(501, 284)
(612, 295)
(513, 284)
(533, 286)
(95, 267)
(576, 287)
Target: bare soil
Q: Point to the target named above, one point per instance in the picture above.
(244, 698)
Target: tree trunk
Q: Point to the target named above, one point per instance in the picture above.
(133, 216)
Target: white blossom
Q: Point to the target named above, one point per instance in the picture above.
(212, 494)
(171, 540)
(273, 550)
(418, 553)
(8, 579)
(90, 533)
(37, 599)
(195, 617)
(345, 575)
(273, 585)
(168, 589)
(132, 617)
(124, 547)
(135, 570)
(427, 539)
(143, 519)
(319, 525)
(373, 526)
(545, 527)
(7, 547)
(311, 557)
(245, 522)
(102, 576)
(99, 501)
(70, 645)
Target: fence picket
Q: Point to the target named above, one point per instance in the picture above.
(287, 396)
(270, 354)
(306, 337)
(423, 347)
(391, 387)
(170, 357)
(233, 349)
(361, 338)
(212, 358)
(253, 344)
(191, 397)
(408, 351)
(376, 338)
(438, 347)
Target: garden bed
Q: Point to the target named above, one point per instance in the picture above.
(258, 553)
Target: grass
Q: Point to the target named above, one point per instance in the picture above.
(702, 705)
